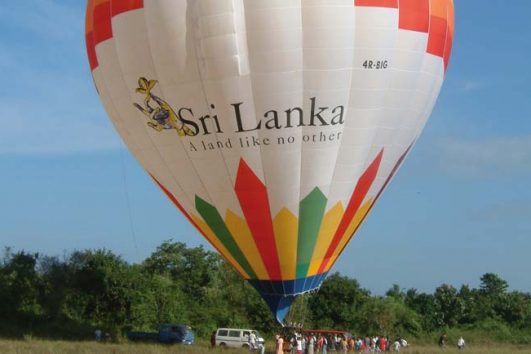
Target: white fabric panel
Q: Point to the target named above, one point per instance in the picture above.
(374, 41)
(328, 47)
(222, 25)
(275, 60)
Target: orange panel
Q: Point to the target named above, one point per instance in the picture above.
(414, 15)
(451, 16)
(450, 34)
(438, 8)
(89, 18)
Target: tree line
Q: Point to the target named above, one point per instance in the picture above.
(70, 296)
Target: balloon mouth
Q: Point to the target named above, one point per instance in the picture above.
(280, 294)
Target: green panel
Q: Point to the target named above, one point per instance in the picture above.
(211, 216)
(311, 211)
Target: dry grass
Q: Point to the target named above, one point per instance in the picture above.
(60, 347)
(492, 349)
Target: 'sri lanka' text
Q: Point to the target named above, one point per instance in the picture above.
(319, 116)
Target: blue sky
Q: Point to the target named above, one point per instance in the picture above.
(459, 207)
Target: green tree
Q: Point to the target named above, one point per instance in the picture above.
(337, 302)
(396, 293)
(56, 281)
(513, 308)
(387, 316)
(448, 306)
(471, 309)
(492, 296)
(192, 268)
(19, 284)
(492, 285)
(102, 289)
(424, 305)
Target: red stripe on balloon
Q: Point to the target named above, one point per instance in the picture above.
(377, 3)
(252, 195)
(102, 22)
(121, 6)
(414, 15)
(91, 50)
(100, 27)
(360, 192)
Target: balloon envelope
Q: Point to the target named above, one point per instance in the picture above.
(273, 125)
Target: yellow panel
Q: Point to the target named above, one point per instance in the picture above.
(286, 228)
(244, 239)
(356, 220)
(211, 237)
(329, 226)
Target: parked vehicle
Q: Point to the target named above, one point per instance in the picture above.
(168, 333)
(236, 337)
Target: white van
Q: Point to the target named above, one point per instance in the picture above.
(236, 337)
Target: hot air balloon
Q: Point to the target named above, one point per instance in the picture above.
(272, 125)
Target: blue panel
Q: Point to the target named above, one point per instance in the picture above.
(279, 295)
(318, 280)
(289, 287)
(278, 287)
(299, 285)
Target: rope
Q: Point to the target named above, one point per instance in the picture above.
(127, 201)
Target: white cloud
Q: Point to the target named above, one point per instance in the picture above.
(489, 156)
(470, 85)
(511, 210)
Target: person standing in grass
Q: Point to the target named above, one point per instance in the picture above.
(97, 333)
(442, 340)
(299, 344)
(280, 344)
(213, 339)
(311, 344)
(461, 343)
(252, 340)
(396, 345)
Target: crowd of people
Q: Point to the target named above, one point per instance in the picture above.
(321, 343)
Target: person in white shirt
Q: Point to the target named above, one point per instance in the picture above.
(461, 343)
(396, 346)
(299, 345)
(252, 340)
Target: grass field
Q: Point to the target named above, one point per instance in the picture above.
(60, 347)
